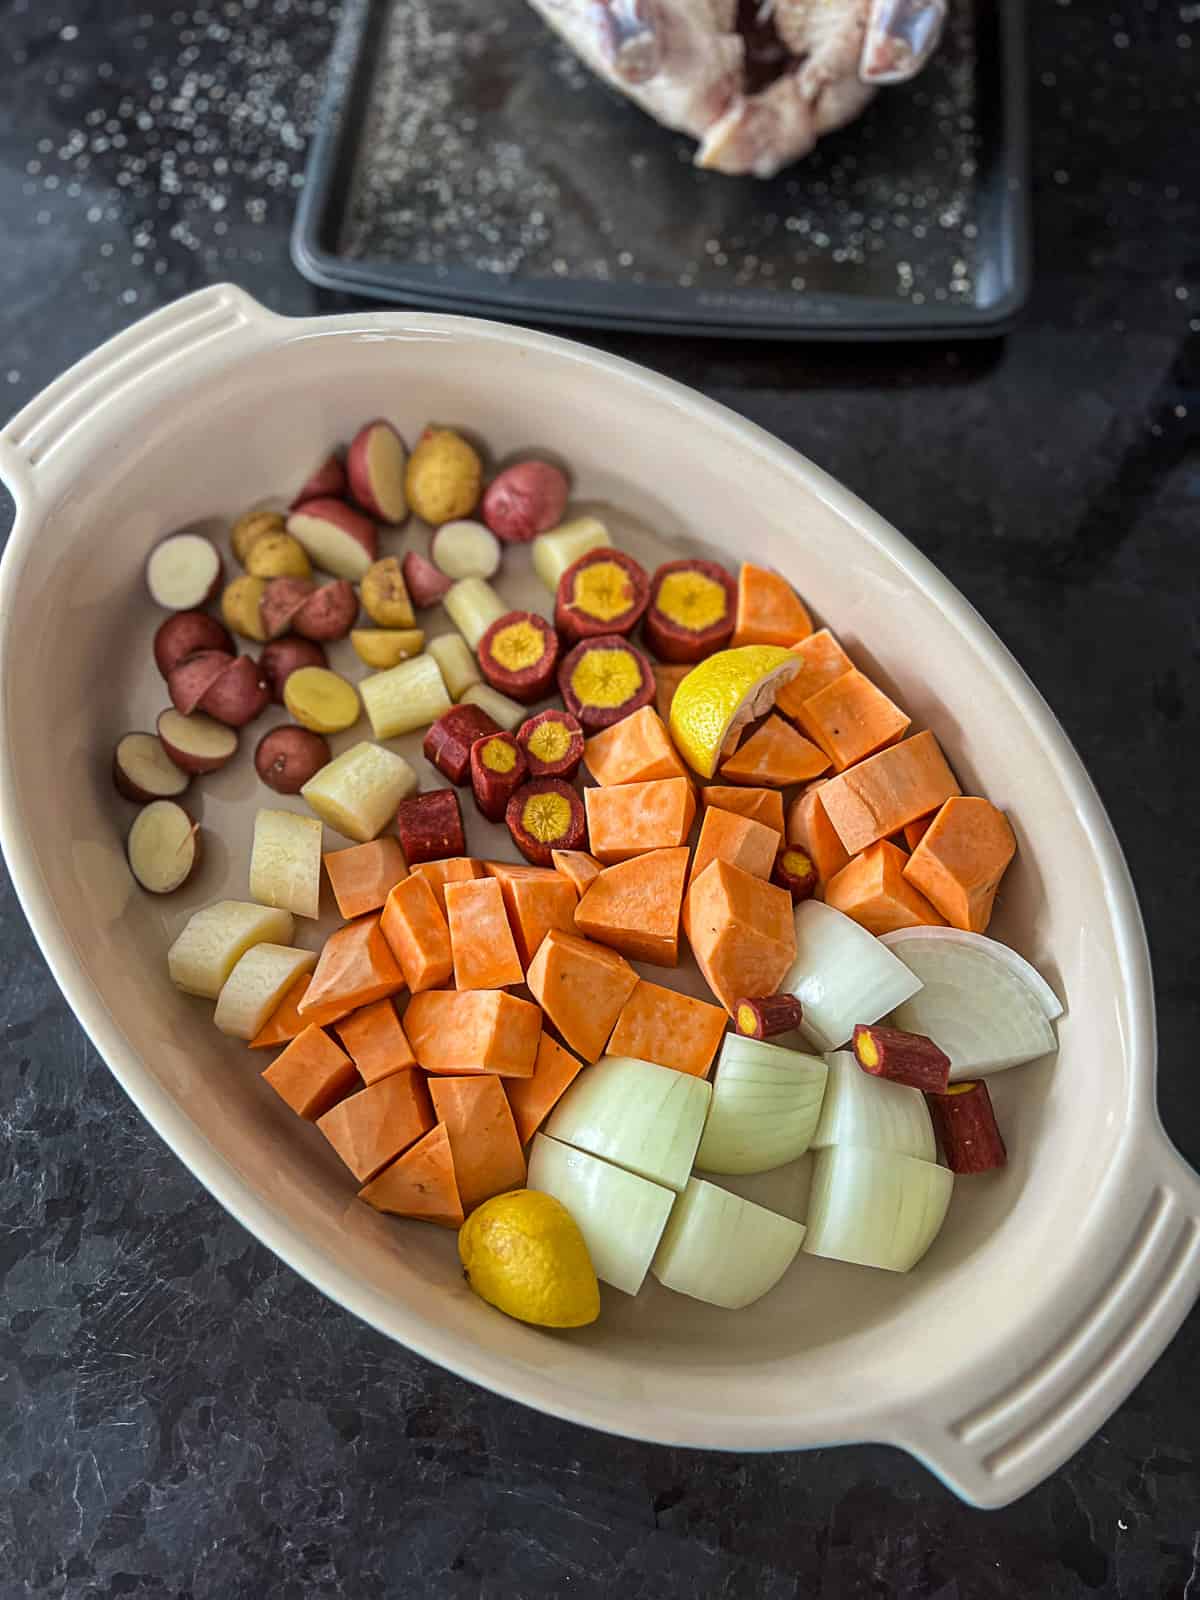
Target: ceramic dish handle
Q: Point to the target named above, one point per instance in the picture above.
(1071, 1379)
(188, 330)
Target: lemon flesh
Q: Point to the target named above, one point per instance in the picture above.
(720, 696)
(524, 1254)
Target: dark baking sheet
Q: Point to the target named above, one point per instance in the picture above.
(465, 160)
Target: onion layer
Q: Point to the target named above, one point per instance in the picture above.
(875, 1208)
(643, 1117)
(765, 1106)
(873, 1113)
(722, 1249)
(842, 975)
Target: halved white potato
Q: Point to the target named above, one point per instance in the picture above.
(285, 862)
(256, 985)
(215, 939)
(358, 792)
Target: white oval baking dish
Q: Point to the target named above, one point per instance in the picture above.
(1053, 1286)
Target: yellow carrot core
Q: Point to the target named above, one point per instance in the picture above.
(796, 863)
(606, 678)
(498, 755)
(603, 590)
(518, 646)
(692, 600)
(746, 1020)
(546, 817)
(960, 1088)
(868, 1050)
(550, 741)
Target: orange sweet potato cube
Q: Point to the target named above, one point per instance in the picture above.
(630, 818)
(376, 1041)
(760, 805)
(960, 859)
(576, 866)
(634, 907)
(454, 869)
(873, 890)
(421, 1184)
(533, 1099)
(414, 926)
(775, 754)
(285, 1022)
(481, 940)
(637, 749)
(312, 1074)
(851, 719)
(473, 1030)
(373, 1126)
(822, 660)
(355, 967)
(886, 792)
(769, 611)
(581, 987)
(487, 1154)
(725, 836)
(673, 1029)
(363, 876)
(742, 932)
(809, 829)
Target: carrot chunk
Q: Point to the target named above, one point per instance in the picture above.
(775, 754)
(634, 906)
(630, 818)
(473, 1030)
(851, 719)
(760, 805)
(487, 1154)
(533, 1099)
(285, 1022)
(670, 1028)
(769, 611)
(376, 1041)
(959, 861)
(421, 1184)
(455, 869)
(725, 836)
(373, 1126)
(742, 932)
(355, 966)
(312, 1074)
(810, 830)
(576, 866)
(581, 986)
(637, 749)
(872, 889)
(363, 876)
(822, 660)
(880, 795)
(481, 942)
(415, 927)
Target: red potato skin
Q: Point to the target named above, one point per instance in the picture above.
(327, 482)
(286, 758)
(191, 679)
(574, 624)
(238, 696)
(539, 852)
(593, 718)
(567, 766)
(430, 827)
(666, 639)
(342, 515)
(425, 583)
(357, 472)
(188, 633)
(448, 743)
(329, 612)
(282, 601)
(529, 684)
(493, 790)
(281, 657)
(525, 500)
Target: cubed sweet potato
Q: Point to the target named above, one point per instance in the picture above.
(637, 749)
(581, 986)
(533, 1099)
(760, 805)
(672, 1029)
(873, 890)
(851, 718)
(741, 931)
(960, 859)
(312, 1074)
(634, 906)
(473, 1030)
(481, 942)
(882, 794)
(487, 1154)
(363, 876)
(355, 967)
(726, 836)
(416, 932)
(376, 1041)
(421, 1184)
(372, 1127)
(810, 830)
(775, 755)
(630, 818)
(822, 660)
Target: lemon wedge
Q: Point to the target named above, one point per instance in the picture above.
(720, 696)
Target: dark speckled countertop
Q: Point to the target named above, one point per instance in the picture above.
(180, 1415)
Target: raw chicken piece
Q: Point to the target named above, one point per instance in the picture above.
(755, 81)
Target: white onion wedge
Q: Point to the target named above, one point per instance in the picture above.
(860, 1109)
(977, 1008)
(458, 666)
(875, 1208)
(766, 1102)
(555, 551)
(842, 975)
(621, 1216)
(473, 605)
(722, 1249)
(1003, 953)
(256, 985)
(466, 550)
(645, 1118)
